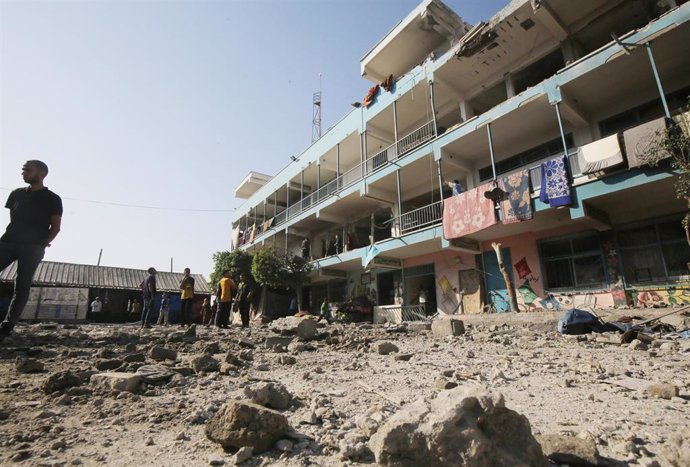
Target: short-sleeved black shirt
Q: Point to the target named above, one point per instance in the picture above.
(30, 213)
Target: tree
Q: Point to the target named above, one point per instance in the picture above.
(297, 271)
(674, 142)
(266, 269)
(237, 261)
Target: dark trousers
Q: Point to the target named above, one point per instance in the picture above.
(146, 312)
(223, 317)
(28, 258)
(186, 312)
(244, 313)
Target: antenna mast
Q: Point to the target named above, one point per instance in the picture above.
(316, 116)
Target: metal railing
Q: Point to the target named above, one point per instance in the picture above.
(382, 158)
(414, 313)
(421, 217)
(416, 138)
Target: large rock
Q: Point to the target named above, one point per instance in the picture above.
(154, 373)
(239, 424)
(108, 364)
(662, 390)
(676, 451)
(306, 329)
(271, 395)
(447, 327)
(60, 380)
(569, 449)
(116, 381)
(384, 348)
(462, 426)
(205, 363)
(162, 353)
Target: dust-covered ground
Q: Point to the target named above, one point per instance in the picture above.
(339, 386)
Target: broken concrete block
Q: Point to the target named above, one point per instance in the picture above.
(162, 353)
(662, 390)
(306, 329)
(109, 381)
(447, 327)
(569, 450)
(384, 348)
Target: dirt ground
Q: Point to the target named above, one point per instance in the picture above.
(562, 384)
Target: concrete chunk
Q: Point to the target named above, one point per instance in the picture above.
(447, 327)
(117, 381)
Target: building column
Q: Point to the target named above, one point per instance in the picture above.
(433, 106)
(395, 126)
(510, 85)
(560, 127)
(301, 189)
(650, 55)
(440, 179)
(491, 150)
(466, 110)
(363, 153)
(337, 162)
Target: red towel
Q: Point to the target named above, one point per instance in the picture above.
(467, 213)
(370, 96)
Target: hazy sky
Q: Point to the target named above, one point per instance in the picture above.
(170, 104)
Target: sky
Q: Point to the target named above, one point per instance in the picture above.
(150, 113)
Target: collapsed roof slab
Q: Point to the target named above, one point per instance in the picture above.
(430, 26)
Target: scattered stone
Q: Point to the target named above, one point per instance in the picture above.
(637, 344)
(285, 445)
(109, 381)
(191, 331)
(153, 374)
(212, 348)
(287, 360)
(108, 364)
(676, 450)
(181, 436)
(149, 441)
(662, 390)
(403, 357)
(215, 459)
(60, 380)
(163, 353)
(28, 365)
(271, 395)
(569, 450)
(232, 359)
(442, 384)
(277, 343)
(419, 326)
(306, 329)
(239, 424)
(462, 426)
(135, 358)
(447, 327)
(384, 348)
(247, 355)
(245, 343)
(242, 455)
(205, 363)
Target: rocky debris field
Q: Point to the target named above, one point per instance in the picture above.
(493, 390)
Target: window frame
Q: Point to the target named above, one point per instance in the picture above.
(571, 257)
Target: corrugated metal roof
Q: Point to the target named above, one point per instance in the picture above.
(104, 277)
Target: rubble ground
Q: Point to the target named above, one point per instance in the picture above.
(97, 394)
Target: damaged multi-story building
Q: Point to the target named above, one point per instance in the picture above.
(543, 116)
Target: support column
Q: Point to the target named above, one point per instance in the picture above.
(395, 126)
(440, 179)
(287, 200)
(400, 213)
(433, 106)
(337, 162)
(560, 127)
(466, 110)
(648, 47)
(318, 180)
(491, 150)
(301, 190)
(363, 153)
(510, 85)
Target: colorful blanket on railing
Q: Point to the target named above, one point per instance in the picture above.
(555, 186)
(517, 205)
(467, 213)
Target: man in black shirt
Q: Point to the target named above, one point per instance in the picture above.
(35, 217)
(148, 292)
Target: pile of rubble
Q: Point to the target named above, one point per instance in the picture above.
(496, 391)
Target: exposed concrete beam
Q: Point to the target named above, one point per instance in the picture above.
(380, 134)
(379, 194)
(333, 219)
(550, 20)
(298, 232)
(595, 217)
(449, 159)
(572, 112)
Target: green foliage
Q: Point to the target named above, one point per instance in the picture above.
(267, 269)
(237, 261)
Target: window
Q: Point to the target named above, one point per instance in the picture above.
(573, 262)
(655, 251)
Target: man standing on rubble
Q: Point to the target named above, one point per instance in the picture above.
(243, 299)
(35, 219)
(187, 297)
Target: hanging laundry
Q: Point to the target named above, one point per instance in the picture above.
(467, 213)
(600, 154)
(555, 186)
(369, 98)
(517, 204)
(644, 139)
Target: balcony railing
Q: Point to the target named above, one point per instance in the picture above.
(573, 167)
(415, 139)
(421, 218)
(406, 144)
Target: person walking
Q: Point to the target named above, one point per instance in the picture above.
(35, 221)
(206, 312)
(306, 248)
(243, 299)
(325, 312)
(148, 292)
(163, 314)
(96, 309)
(187, 297)
(224, 299)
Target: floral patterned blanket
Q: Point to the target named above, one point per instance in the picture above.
(467, 213)
(555, 186)
(517, 205)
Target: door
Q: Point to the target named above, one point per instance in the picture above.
(495, 284)
(470, 283)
